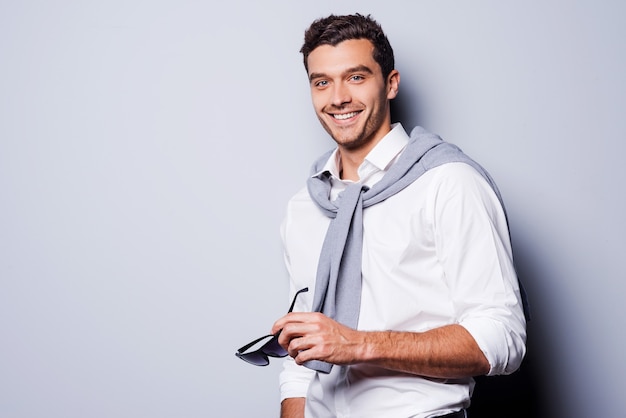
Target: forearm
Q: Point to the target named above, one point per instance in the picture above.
(292, 408)
(446, 352)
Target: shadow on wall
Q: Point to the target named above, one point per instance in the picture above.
(524, 393)
(514, 396)
(405, 111)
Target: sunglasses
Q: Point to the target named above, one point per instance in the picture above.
(267, 345)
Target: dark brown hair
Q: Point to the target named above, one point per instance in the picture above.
(333, 30)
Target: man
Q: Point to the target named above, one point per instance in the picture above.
(415, 290)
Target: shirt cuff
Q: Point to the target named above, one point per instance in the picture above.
(294, 380)
(503, 347)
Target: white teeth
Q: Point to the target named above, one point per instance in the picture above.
(345, 115)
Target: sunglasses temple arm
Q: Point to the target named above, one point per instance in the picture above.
(247, 346)
(293, 302)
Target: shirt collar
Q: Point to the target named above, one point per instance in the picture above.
(378, 159)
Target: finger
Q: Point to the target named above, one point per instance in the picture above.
(282, 322)
(299, 349)
(303, 355)
(278, 325)
(292, 331)
(295, 318)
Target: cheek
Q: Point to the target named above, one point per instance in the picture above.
(318, 101)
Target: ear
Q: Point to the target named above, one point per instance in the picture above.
(393, 84)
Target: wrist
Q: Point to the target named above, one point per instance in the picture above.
(373, 346)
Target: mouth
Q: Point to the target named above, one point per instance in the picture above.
(344, 116)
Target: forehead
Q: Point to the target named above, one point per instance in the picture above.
(328, 59)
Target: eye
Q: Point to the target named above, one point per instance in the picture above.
(321, 83)
(357, 78)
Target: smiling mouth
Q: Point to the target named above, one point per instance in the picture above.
(344, 116)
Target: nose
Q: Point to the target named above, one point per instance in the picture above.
(341, 94)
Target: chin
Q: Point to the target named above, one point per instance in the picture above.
(350, 143)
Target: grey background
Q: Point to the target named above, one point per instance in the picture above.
(148, 148)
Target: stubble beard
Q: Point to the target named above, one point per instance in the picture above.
(362, 137)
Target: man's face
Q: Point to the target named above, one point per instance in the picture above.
(350, 95)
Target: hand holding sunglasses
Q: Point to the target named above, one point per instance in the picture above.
(269, 346)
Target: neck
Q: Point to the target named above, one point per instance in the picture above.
(350, 163)
(352, 158)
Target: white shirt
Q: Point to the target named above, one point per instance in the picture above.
(434, 254)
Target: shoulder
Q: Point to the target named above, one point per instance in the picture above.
(449, 178)
(301, 196)
(458, 188)
(301, 205)
(457, 176)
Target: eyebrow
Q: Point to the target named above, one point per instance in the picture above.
(357, 69)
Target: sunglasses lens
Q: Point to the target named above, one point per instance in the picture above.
(273, 349)
(256, 357)
(259, 352)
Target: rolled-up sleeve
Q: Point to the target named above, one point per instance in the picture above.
(294, 380)
(503, 346)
